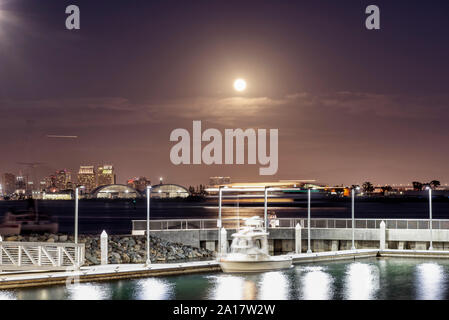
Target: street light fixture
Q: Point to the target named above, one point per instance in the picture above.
(430, 216)
(353, 221)
(148, 188)
(76, 211)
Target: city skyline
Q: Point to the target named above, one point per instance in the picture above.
(54, 179)
(351, 104)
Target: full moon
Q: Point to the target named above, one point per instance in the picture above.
(240, 85)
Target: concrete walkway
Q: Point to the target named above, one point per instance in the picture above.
(10, 280)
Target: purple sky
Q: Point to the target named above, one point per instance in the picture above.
(350, 104)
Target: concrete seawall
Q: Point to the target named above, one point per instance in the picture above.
(282, 240)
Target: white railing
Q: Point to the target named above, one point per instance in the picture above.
(40, 256)
(139, 226)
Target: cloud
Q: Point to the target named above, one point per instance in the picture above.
(224, 111)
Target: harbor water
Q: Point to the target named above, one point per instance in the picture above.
(115, 216)
(372, 278)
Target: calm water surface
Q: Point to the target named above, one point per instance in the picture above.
(115, 216)
(377, 278)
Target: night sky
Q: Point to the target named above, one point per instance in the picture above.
(350, 104)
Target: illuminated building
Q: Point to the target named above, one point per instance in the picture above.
(8, 183)
(42, 185)
(50, 182)
(139, 183)
(64, 195)
(63, 180)
(219, 181)
(21, 185)
(166, 191)
(86, 178)
(105, 175)
(115, 191)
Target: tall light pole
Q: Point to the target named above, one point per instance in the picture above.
(76, 211)
(309, 249)
(220, 195)
(238, 212)
(148, 262)
(353, 214)
(265, 209)
(430, 216)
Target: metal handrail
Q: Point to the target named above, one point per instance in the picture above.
(288, 223)
(16, 255)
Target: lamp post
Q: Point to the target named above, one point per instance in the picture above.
(148, 189)
(309, 249)
(430, 216)
(353, 213)
(76, 211)
(238, 212)
(220, 195)
(265, 209)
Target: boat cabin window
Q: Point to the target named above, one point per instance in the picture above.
(258, 243)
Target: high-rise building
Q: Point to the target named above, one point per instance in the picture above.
(8, 183)
(139, 183)
(43, 185)
(86, 178)
(63, 180)
(218, 181)
(21, 184)
(50, 182)
(106, 175)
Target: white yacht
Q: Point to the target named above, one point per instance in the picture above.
(249, 251)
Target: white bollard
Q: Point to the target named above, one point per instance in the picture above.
(382, 236)
(223, 241)
(104, 247)
(298, 238)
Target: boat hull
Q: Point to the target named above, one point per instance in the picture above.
(40, 228)
(235, 266)
(9, 229)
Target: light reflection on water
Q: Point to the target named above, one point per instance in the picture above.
(273, 286)
(87, 291)
(7, 296)
(430, 279)
(385, 278)
(261, 286)
(361, 281)
(315, 283)
(226, 287)
(154, 289)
